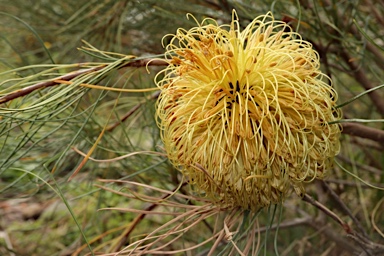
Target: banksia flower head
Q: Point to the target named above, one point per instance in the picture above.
(244, 114)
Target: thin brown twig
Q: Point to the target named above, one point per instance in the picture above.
(370, 158)
(124, 236)
(370, 248)
(131, 112)
(364, 167)
(344, 207)
(357, 71)
(55, 81)
(174, 227)
(367, 245)
(379, 58)
(323, 208)
(360, 76)
(331, 235)
(146, 63)
(125, 117)
(41, 85)
(287, 224)
(328, 232)
(182, 190)
(363, 131)
(137, 220)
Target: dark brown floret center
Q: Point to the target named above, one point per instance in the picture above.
(235, 93)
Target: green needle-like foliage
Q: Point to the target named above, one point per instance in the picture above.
(85, 169)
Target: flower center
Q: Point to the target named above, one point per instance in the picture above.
(234, 91)
(232, 95)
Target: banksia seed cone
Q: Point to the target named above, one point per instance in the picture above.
(244, 114)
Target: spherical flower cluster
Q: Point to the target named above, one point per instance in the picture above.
(244, 114)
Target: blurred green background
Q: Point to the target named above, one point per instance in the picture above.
(42, 213)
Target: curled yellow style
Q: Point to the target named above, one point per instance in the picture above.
(245, 115)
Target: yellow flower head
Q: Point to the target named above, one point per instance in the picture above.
(244, 114)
